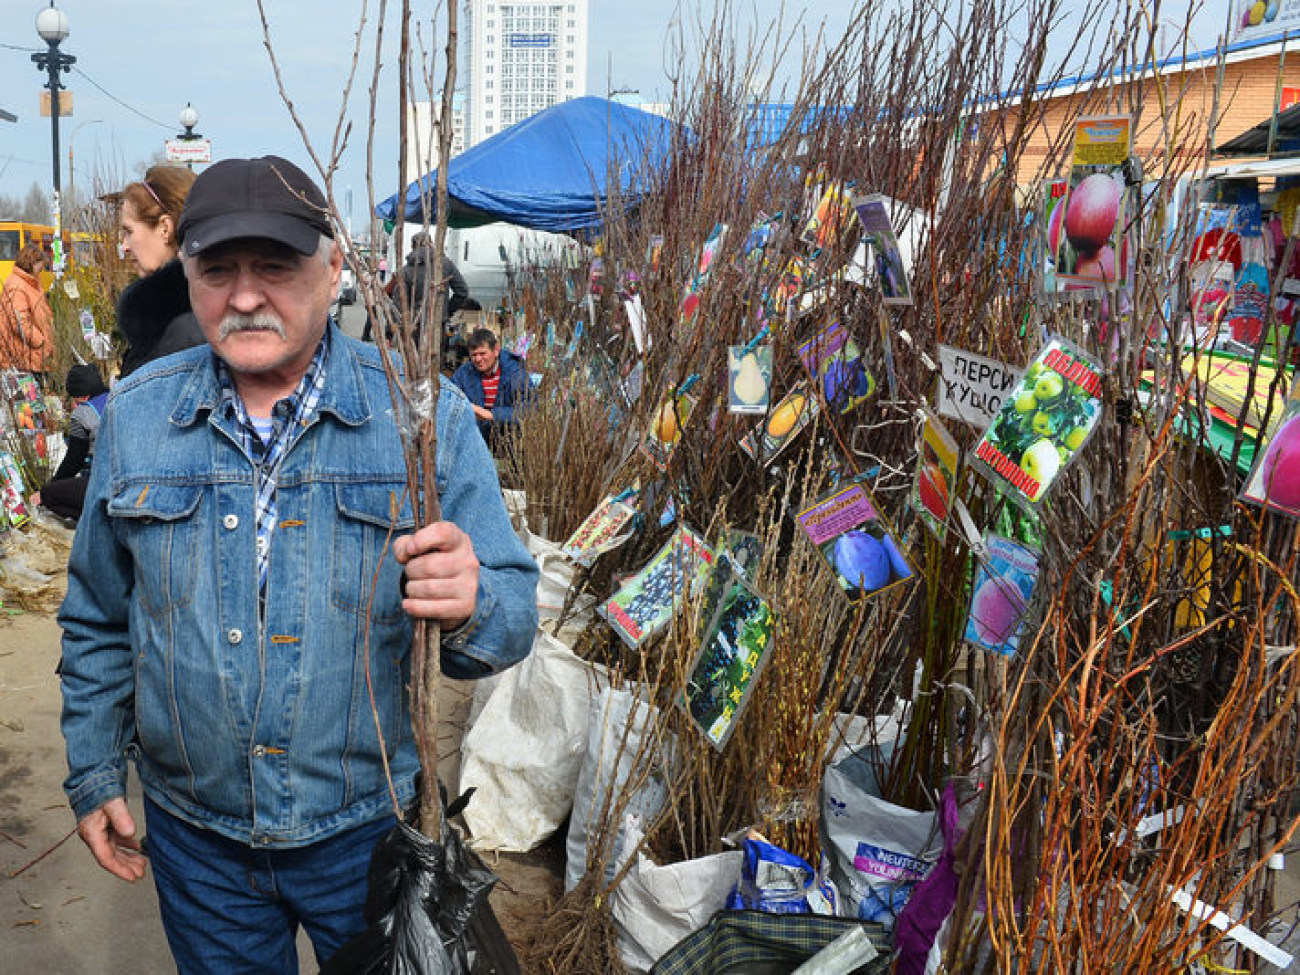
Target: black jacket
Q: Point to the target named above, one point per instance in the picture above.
(417, 279)
(154, 315)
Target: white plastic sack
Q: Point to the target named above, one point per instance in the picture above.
(878, 851)
(856, 731)
(553, 590)
(523, 752)
(616, 724)
(516, 507)
(556, 575)
(654, 907)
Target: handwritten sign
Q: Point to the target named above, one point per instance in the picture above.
(972, 387)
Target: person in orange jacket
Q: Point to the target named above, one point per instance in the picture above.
(26, 320)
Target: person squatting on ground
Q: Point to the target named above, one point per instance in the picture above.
(220, 585)
(494, 381)
(65, 492)
(153, 313)
(26, 319)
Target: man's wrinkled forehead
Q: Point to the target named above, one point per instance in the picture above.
(253, 248)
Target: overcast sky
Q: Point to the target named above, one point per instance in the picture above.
(140, 61)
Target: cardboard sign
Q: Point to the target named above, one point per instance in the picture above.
(972, 387)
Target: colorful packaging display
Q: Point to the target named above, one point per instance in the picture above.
(836, 363)
(935, 483)
(784, 422)
(1274, 482)
(749, 378)
(600, 532)
(1091, 252)
(891, 270)
(731, 657)
(856, 542)
(1004, 583)
(1044, 422)
(647, 602)
(665, 431)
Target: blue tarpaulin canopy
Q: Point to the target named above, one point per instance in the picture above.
(551, 172)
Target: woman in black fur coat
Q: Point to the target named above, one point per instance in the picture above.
(154, 313)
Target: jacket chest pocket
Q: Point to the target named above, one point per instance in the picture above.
(369, 518)
(160, 524)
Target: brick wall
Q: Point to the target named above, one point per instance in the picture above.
(1172, 110)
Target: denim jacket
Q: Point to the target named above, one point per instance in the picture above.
(265, 733)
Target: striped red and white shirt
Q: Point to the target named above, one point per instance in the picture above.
(490, 386)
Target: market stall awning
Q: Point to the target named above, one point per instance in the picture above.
(1254, 141)
(554, 171)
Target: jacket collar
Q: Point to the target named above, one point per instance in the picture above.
(30, 280)
(149, 303)
(344, 394)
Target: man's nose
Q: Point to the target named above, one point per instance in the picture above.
(246, 295)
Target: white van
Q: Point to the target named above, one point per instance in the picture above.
(490, 255)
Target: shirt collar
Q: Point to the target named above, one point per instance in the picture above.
(231, 403)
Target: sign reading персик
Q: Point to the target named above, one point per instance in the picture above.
(972, 387)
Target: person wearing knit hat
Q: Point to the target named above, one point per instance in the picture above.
(64, 494)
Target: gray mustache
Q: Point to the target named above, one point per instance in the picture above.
(236, 322)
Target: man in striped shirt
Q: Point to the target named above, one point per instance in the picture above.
(495, 381)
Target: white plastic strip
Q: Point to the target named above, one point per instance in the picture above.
(1245, 937)
(1153, 823)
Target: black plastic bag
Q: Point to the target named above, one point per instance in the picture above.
(428, 911)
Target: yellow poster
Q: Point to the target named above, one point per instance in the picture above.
(1101, 141)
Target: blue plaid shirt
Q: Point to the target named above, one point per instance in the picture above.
(289, 417)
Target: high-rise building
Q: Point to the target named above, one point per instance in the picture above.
(422, 136)
(519, 57)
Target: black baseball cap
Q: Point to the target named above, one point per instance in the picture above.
(267, 197)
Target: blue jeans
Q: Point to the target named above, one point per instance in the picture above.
(230, 909)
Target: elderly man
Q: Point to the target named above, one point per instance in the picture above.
(237, 621)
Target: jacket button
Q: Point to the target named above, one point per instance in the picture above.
(234, 636)
(259, 751)
(231, 522)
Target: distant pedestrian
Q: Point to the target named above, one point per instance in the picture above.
(26, 319)
(415, 280)
(154, 313)
(495, 381)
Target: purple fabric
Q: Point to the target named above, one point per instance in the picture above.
(932, 900)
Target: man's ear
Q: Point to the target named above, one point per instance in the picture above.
(336, 266)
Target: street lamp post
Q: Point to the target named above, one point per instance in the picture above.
(52, 25)
(189, 119)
